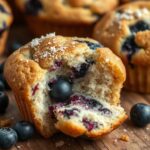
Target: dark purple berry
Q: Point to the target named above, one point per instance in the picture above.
(140, 114)
(8, 138)
(92, 103)
(130, 47)
(105, 111)
(140, 26)
(90, 125)
(2, 86)
(4, 101)
(81, 71)
(25, 130)
(33, 7)
(2, 67)
(91, 45)
(70, 112)
(2, 79)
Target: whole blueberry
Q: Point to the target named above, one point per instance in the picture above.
(1, 67)
(25, 130)
(4, 81)
(4, 101)
(61, 90)
(8, 137)
(140, 114)
(2, 86)
(33, 7)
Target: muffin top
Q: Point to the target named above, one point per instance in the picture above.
(5, 16)
(127, 32)
(67, 11)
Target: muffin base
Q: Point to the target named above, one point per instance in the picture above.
(138, 79)
(40, 27)
(3, 39)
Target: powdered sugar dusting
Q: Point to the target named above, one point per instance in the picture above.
(132, 14)
(35, 42)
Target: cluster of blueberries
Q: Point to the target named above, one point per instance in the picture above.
(129, 44)
(22, 130)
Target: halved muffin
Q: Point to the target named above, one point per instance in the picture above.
(67, 83)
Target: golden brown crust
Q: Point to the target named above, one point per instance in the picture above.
(29, 64)
(114, 28)
(72, 11)
(76, 131)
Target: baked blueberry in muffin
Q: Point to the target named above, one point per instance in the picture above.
(61, 83)
(127, 32)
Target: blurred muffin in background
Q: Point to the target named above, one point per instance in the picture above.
(5, 22)
(127, 1)
(65, 17)
(16, 13)
(127, 32)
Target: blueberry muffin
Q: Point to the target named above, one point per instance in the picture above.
(67, 84)
(65, 17)
(127, 32)
(5, 22)
(127, 1)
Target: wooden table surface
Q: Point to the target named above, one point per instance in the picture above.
(139, 138)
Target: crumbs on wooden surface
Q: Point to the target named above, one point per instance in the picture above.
(124, 137)
(59, 144)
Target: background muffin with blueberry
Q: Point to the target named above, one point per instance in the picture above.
(5, 22)
(67, 17)
(127, 32)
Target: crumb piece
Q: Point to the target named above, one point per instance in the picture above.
(125, 130)
(124, 137)
(5, 122)
(147, 128)
(19, 146)
(115, 141)
(59, 144)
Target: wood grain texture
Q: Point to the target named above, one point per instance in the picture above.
(139, 138)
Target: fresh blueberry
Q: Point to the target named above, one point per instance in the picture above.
(8, 138)
(130, 47)
(1, 67)
(25, 130)
(140, 26)
(4, 101)
(61, 90)
(33, 7)
(2, 79)
(140, 114)
(2, 86)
